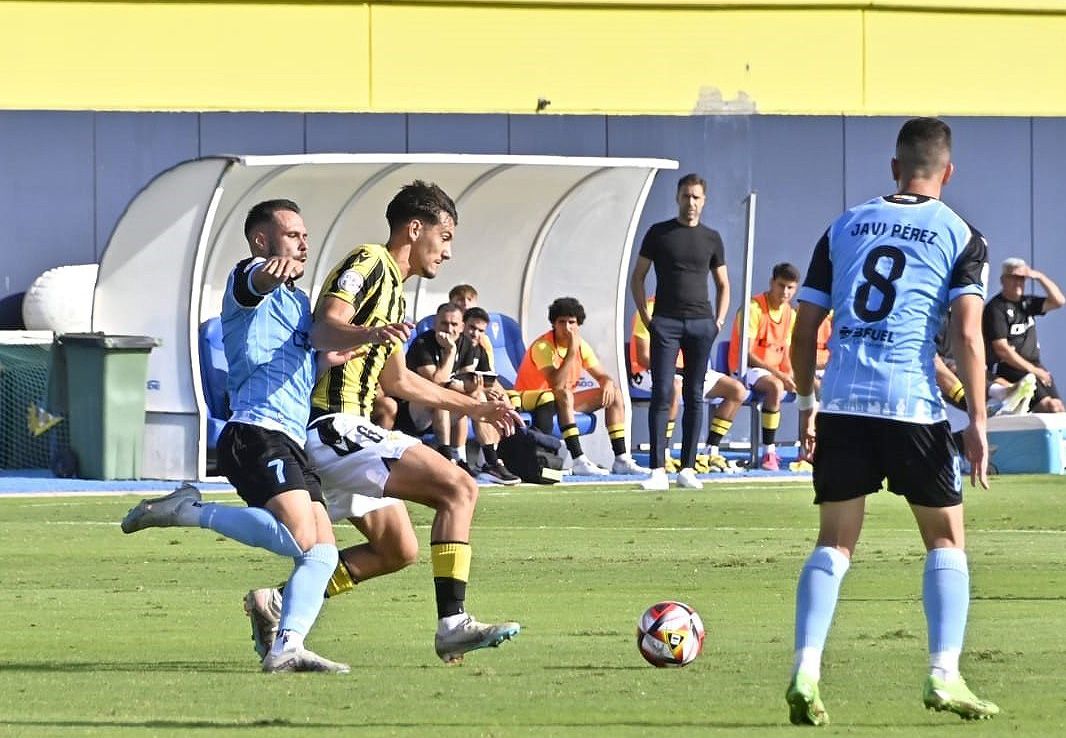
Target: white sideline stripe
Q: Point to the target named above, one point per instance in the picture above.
(637, 528)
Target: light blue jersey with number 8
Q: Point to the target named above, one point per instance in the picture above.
(888, 269)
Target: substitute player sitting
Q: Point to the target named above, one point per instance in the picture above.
(770, 320)
(547, 386)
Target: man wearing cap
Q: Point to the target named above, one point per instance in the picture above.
(1010, 332)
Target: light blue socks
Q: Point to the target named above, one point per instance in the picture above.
(946, 599)
(252, 526)
(306, 588)
(816, 600)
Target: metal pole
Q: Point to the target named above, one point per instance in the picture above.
(749, 264)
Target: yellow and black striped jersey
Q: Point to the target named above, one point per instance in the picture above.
(369, 280)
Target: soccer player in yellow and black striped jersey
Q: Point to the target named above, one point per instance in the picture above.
(357, 459)
(368, 280)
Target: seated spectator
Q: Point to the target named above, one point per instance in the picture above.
(1001, 398)
(716, 384)
(546, 383)
(482, 385)
(444, 355)
(1009, 325)
(770, 321)
(466, 297)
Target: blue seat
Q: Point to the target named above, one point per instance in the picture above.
(213, 372)
(508, 348)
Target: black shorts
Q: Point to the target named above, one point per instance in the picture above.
(262, 463)
(1043, 391)
(405, 423)
(854, 454)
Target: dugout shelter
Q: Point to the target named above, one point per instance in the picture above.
(531, 228)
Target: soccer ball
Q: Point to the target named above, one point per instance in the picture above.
(670, 634)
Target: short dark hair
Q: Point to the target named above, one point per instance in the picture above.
(923, 145)
(263, 213)
(476, 313)
(461, 289)
(786, 271)
(421, 200)
(566, 307)
(692, 179)
(447, 307)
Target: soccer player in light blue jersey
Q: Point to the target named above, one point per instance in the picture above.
(266, 323)
(889, 268)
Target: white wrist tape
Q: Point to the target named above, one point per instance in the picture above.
(806, 402)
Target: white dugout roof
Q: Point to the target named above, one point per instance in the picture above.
(531, 228)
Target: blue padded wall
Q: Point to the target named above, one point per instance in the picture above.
(798, 164)
(329, 133)
(251, 133)
(131, 149)
(557, 135)
(47, 187)
(1049, 227)
(457, 134)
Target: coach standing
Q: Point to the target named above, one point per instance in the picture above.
(683, 251)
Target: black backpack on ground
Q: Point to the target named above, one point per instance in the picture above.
(532, 455)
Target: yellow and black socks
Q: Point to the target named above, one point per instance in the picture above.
(340, 581)
(451, 570)
(572, 439)
(669, 432)
(771, 419)
(717, 429)
(617, 434)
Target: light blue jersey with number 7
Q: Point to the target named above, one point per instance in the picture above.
(888, 269)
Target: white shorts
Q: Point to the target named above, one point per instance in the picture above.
(351, 456)
(753, 375)
(710, 379)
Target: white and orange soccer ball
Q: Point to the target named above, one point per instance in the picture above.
(670, 634)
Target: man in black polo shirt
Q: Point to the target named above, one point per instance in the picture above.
(447, 356)
(1010, 332)
(684, 252)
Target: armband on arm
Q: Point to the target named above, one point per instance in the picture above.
(806, 402)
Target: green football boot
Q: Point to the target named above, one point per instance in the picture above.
(954, 696)
(804, 705)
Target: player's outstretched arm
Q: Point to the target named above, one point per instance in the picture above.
(399, 381)
(333, 330)
(969, 349)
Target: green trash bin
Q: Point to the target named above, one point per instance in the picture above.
(106, 377)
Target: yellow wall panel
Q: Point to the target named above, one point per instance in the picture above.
(631, 60)
(192, 56)
(834, 56)
(979, 64)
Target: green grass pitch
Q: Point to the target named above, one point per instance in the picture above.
(144, 635)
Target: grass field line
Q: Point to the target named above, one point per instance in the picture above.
(56, 499)
(643, 528)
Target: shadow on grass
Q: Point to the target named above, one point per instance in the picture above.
(364, 725)
(140, 667)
